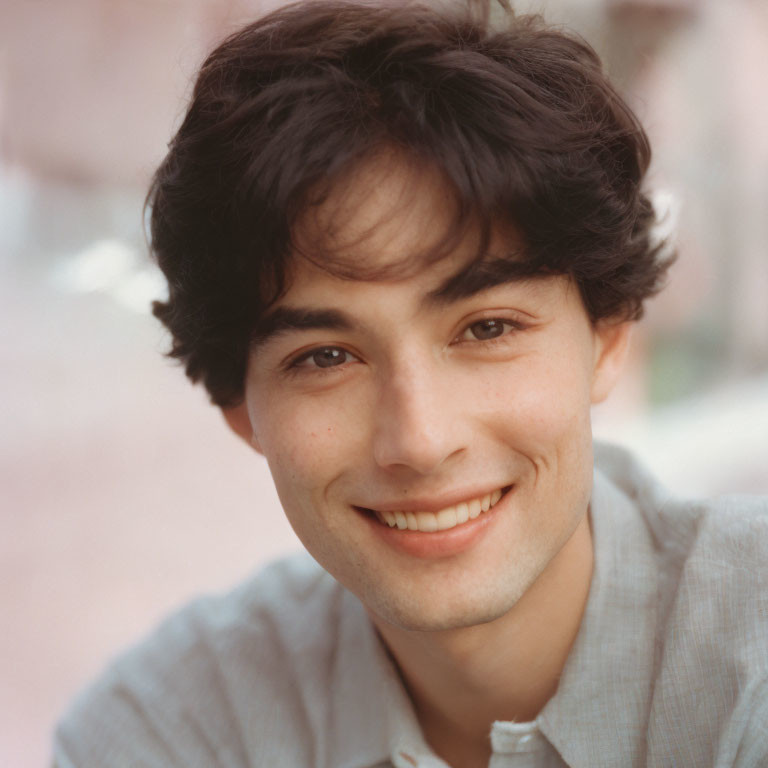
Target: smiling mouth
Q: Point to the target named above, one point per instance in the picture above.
(444, 519)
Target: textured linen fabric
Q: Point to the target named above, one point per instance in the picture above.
(670, 666)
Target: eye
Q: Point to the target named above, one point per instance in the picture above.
(484, 330)
(323, 357)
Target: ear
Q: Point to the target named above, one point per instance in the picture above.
(239, 422)
(612, 339)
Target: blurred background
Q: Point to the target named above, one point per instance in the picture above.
(121, 493)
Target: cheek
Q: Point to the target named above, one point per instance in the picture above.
(542, 404)
(308, 441)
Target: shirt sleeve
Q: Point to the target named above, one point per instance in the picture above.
(163, 704)
(113, 727)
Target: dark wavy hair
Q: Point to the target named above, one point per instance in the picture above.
(518, 118)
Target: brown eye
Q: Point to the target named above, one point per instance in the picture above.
(328, 357)
(322, 357)
(487, 329)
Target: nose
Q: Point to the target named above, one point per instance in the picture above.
(418, 426)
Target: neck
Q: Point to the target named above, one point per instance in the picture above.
(462, 680)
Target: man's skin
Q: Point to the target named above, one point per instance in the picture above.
(384, 395)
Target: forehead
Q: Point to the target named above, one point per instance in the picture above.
(319, 301)
(388, 218)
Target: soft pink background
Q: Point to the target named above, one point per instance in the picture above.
(121, 492)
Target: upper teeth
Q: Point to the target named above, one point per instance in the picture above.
(442, 520)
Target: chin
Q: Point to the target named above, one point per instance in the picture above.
(440, 613)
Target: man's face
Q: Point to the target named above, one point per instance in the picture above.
(382, 402)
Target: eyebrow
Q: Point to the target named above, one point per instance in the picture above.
(287, 319)
(482, 275)
(475, 278)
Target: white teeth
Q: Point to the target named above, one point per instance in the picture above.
(443, 520)
(427, 521)
(446, 518)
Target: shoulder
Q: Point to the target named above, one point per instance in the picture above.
(710, 560)
(709, 550)
(730, 530)
(202, 686)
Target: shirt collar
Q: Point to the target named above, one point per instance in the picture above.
(373, 721)
(606, 686)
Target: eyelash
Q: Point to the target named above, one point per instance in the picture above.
(294, 365)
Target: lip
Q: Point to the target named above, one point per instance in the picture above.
(438, 544)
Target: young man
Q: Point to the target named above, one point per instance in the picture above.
(404, 250)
